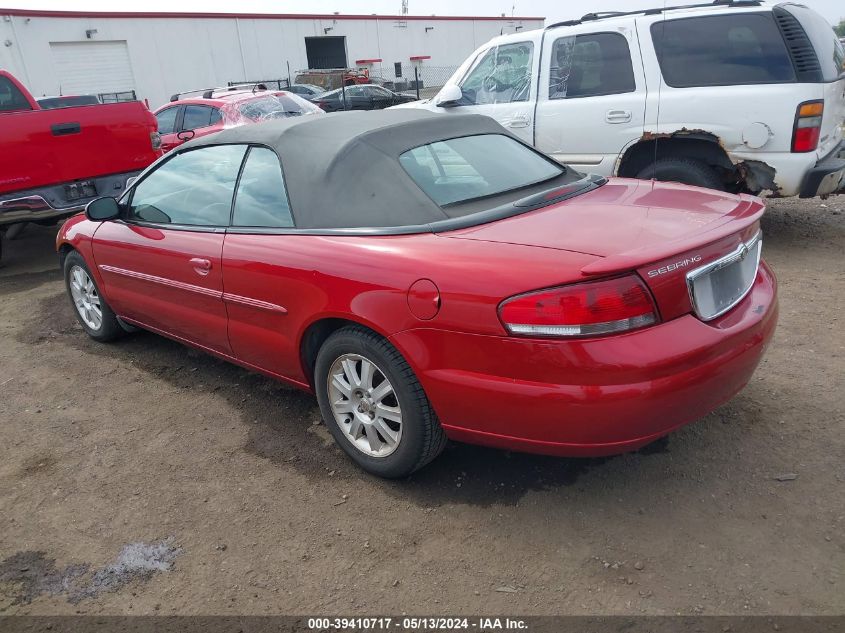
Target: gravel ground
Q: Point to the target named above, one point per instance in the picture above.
(144, 477)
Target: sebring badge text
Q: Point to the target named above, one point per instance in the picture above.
(675, 266)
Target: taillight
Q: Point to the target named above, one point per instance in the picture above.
(155, 140)
(808, 126)
(585, 309)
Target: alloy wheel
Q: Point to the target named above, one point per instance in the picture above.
(365, 405)
(85, 297)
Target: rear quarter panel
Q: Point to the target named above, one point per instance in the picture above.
(366, 280)
(834, 117)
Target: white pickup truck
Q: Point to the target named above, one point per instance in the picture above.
(742, 96)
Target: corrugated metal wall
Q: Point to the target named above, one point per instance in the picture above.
(172, 54)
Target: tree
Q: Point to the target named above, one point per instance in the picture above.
(840, 28)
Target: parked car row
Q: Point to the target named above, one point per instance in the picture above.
(738, 96)
(218, 108)
(215, 109)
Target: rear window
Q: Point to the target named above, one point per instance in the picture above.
(275, 107)
(471, 167)
(722, 50)
(11, 98)
(50, 103)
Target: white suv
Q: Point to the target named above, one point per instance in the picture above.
(740, 96)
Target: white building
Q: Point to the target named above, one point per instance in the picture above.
(159, 54)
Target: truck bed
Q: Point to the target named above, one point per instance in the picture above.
(49, 147)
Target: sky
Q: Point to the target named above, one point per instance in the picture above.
(552, 10)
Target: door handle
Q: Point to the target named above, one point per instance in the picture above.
(63, 129)
(617, 116)
(519, 120)
(201, 266)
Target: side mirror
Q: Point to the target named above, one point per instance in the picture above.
(102, 209)
(449, 96)
(186, 135)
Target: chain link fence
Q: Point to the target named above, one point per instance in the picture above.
(421, 80)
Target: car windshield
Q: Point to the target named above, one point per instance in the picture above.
(471, 167)
(274, 107)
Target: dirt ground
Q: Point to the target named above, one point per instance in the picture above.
(142, 477)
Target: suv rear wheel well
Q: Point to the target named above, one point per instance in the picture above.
(702, 147)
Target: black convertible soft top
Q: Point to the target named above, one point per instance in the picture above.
(342, 170)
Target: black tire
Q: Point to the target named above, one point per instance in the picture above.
(13, 231)
(687, 171)
(422, 438)
(109, 328)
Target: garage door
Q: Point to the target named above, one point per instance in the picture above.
(93, 67)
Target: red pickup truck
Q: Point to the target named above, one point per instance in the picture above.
(54, 161)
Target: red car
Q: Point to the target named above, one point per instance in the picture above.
(55, 160)
(431, 277)
(219, 108)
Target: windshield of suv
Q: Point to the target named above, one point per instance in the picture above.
(470, 167)
(500, 75)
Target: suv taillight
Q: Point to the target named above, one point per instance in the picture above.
(808, 126)
(591, 308)
(155, 140)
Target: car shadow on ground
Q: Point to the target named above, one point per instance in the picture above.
(284, 424)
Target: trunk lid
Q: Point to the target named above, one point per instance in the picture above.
(660, 230)
(622, 217)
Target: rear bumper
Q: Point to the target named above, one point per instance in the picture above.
(50, 203)
(591, 397)
(32, 209)
(827, 177)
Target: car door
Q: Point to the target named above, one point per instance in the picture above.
(167, 119)
(161, 263)
(501, 83)
(263, 297)
(356, 98)
(381, 98)
(592, 96)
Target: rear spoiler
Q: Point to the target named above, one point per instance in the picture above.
(747, 212)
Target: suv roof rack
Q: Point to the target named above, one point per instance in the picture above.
(209, 93)
(601, 15)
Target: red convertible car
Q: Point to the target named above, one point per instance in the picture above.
(431, 277)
